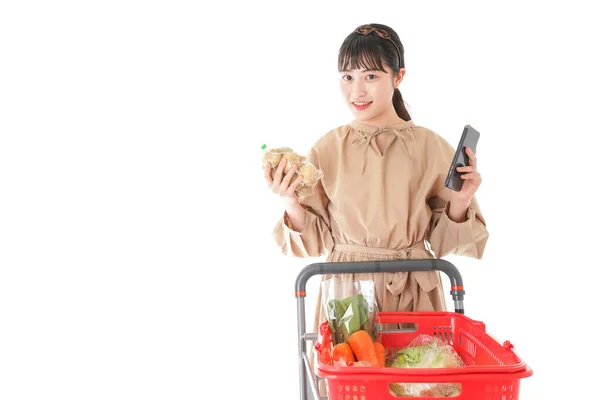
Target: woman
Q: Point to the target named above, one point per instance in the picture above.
(382, 195)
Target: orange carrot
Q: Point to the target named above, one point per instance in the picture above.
(380, 350)
(363, 347)
(342, 352)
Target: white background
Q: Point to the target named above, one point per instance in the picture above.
(135, 225)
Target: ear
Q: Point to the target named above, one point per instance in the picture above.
(398, 78)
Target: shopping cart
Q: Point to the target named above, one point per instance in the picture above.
(492, 369)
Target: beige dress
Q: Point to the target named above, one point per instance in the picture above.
(386, 204)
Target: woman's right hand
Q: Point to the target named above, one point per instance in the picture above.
(280, 182)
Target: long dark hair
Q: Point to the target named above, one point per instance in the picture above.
(367, 47)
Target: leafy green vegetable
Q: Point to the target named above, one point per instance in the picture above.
(409, 357)
(425, 351)
(347, 316)
(434, 354)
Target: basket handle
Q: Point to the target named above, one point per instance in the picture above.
(353, 267)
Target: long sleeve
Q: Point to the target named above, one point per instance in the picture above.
(466, 238)
(315, 239)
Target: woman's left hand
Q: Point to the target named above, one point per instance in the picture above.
(472, 180)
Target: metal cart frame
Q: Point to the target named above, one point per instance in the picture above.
(327, 268)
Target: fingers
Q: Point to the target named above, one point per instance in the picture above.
(294, 186)
(285, 183)
(474, 176)
(277, 176)
(472, 157)
(282, 184)
(268, 173)
(468, 168)
(470, 172)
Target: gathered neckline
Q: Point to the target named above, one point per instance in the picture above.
(369, 129)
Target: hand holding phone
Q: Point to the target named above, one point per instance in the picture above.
(469, 138)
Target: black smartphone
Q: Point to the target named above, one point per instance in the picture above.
(469, 138)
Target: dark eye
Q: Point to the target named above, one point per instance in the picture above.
(371, 76)
(346, 78)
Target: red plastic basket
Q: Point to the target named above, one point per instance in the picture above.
(493, 371)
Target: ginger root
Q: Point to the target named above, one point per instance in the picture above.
(310, 174)
(304, 168)
(273, 156)
(292, 159)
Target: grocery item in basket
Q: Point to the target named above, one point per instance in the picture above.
(363, 348)
(349, 307)
(310, 174)
(342, 355)
(380, 350)
(324, 347)
(425, 389)
(426, 351)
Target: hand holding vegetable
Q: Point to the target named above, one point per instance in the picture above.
(289, 174)
(286, 185)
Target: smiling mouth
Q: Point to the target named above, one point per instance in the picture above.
(361, 105)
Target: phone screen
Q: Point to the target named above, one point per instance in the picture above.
(469, 138)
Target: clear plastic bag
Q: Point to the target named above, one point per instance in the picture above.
(425, 389)
(349, 307)
(426, 351)
(310, 174)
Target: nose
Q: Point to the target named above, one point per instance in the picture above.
(358, 88)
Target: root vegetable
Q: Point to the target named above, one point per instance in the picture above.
(343, 354)
(273, 156)
(292, 159)
(363, 347)
(310, 174)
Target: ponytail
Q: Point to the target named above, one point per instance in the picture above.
(399, 105)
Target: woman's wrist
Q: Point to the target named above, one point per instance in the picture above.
(296, 214)
(457, 211)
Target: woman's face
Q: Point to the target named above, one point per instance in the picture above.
(368, 93)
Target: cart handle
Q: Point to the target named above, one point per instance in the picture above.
(352, 267)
